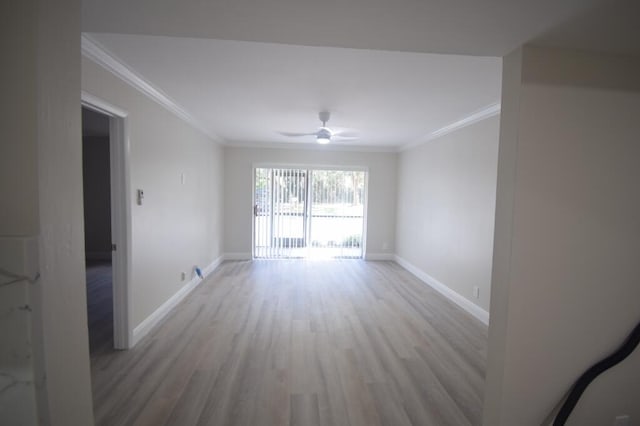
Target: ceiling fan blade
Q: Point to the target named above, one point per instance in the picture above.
(346, 133)
(294, 134)
(344, 138)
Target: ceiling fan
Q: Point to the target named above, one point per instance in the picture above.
(324, 135)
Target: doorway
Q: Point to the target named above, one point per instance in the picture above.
(107, 210)
(96, 175)
(301, 213)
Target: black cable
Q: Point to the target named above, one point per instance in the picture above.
(594, 371)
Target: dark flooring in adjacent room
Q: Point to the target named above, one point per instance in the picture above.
(99, 307)
(297, 342)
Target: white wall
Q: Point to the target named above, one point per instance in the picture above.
(62, 296)
(238, 175)
(179, 225)
(41, 224)
(446, 206)
(566, 267)
(19, 207)
(18, 150)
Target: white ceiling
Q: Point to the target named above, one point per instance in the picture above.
(469, 27)
(247, 92)
(245, 70)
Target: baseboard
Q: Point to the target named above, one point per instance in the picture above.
(450, 294)
(379, 256)
(212, 266)
(159, 314)
(237, 256)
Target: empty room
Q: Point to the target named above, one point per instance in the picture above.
(353, 213)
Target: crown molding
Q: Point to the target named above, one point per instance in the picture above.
(94, 51)
(486, 112)
(97, 53)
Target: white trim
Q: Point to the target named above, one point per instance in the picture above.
(237, 256)
(379, 256)
(212, 266)
(94, 103)
(121, 228)
(94, 51)
(159, 314)
(455, 297)
(486, 112)
(121, 222)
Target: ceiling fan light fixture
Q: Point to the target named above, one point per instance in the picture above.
(324, 134)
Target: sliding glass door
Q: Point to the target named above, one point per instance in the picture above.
(337, 213)
(308, 213)
(280, 213)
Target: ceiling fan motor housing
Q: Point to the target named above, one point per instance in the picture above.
(324, 133)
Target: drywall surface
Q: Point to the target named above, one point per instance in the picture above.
(238, 175)
(60, 293)
(97, 197)
(571, 281)
(446, 208)
(18, 158)
(505, 192)
(19, 207)
(18, 398)
(178, 225)
(21, 355)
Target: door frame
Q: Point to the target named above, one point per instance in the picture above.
(309, 168)
(119, 152)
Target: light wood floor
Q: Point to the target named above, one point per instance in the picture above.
(301, 343)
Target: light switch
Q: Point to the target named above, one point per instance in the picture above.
(140, 196)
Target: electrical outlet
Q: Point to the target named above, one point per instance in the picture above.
(183, 275)
(623, 420)
(476, 292)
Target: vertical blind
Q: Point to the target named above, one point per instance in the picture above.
(302, 213)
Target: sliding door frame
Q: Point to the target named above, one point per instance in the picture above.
(309, 168)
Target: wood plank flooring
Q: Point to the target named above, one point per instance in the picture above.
(300, 342)
(100, 306)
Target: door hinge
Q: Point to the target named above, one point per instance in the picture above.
(113, 247)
